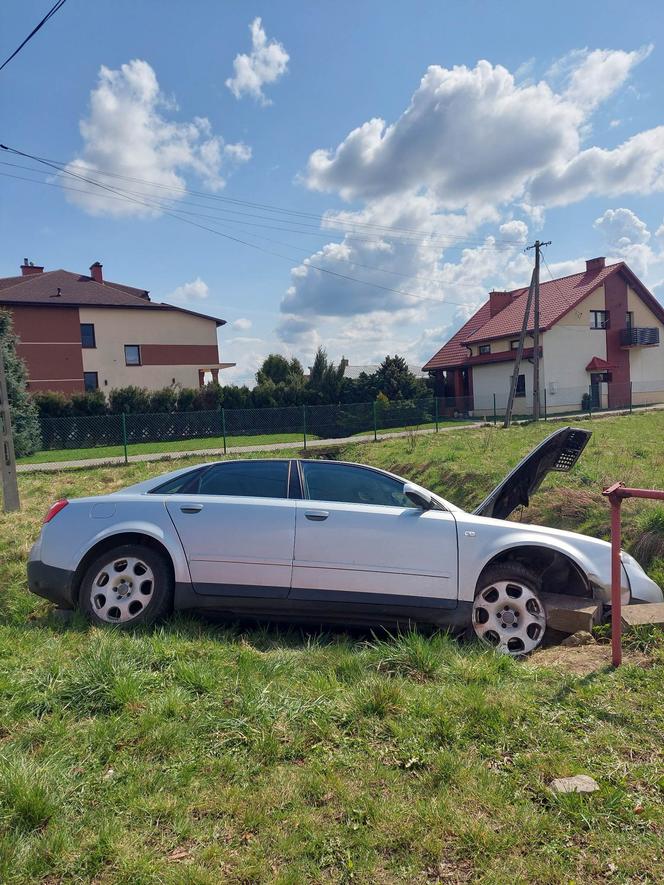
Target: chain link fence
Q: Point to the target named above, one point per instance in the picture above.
(107, 436)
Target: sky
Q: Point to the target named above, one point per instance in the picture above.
(352, 175)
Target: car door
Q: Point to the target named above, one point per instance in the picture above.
(359, 539)
(238, 529)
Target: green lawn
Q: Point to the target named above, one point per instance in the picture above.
(197, 753)
(187, 445)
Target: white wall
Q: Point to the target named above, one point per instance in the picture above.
(496, 378)
(646, 364)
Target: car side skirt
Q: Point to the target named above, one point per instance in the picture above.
(326, 607)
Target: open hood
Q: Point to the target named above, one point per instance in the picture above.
(560, 451)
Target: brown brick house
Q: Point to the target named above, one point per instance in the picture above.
(80, 331)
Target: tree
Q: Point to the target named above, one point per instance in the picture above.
(326, 379)
(23, 410)
(279, 370)
(396, 381)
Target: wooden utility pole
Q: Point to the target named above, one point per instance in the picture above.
(519, 354)
(537, 246)
(10, 499)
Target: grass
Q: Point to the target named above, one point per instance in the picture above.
(185, 445)
(202, 753)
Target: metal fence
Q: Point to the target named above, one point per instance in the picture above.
(222, 429)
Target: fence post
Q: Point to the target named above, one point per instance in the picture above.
(545, 403)
(223, 426)
(124, 436)
(495, 413)
(435, 399)
(375, 422)
(304, 425)
(630, 397)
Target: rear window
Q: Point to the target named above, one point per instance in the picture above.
(176, 484)
(249, 479)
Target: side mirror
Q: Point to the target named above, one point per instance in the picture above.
(418, 497)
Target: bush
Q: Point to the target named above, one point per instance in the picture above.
(131, 400)
(187, 399)
(52, 404)
(163, 400)
(92, 402)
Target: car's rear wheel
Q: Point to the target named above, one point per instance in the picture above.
(508, 613)
(128, 585)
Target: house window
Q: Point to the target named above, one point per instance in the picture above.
(514, 345)
(132, 354)
(520, 386)
(599, 319)
(88, 335)
(629, 319)
(484, 348)
(91, 380)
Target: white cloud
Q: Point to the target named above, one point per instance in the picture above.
(128, 133)
(593, 76)
(622, 227)
(196, 290)
(267, 61)
(242, 324)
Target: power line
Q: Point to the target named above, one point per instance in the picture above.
(321, 219)
(235, 239)
(49, 14)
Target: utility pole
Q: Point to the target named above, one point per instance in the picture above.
(10, 499)
(537, 246)
(519, 353)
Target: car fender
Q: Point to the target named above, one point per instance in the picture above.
(165, 535)
(478, 545)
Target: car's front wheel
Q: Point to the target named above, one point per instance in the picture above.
(128, 585)
(508, 613)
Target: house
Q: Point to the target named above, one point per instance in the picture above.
(81, 332)
(600, 335)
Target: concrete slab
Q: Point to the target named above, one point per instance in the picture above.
(639, 615)
(569, 614)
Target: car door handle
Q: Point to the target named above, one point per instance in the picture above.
(191, 508)
(317, 515)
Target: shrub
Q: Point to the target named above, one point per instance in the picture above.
(187, 399)
(163, 400)
(52, 404)
(92, 402)
(131, 400)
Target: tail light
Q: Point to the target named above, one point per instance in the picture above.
(54, 509)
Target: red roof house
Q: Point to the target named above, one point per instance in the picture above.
(600, 332)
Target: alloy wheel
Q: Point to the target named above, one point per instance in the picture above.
(122, 589)
(510, 617)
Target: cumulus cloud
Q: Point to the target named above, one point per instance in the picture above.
(593, 76)
(196, 290)
(267, 61)
(622, 227)
(129, 132)
(242, 324)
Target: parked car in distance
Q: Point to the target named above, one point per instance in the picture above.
(325, 542)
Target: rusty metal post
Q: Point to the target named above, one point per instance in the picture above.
(616, 601)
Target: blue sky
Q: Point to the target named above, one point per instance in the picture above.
(447, 134)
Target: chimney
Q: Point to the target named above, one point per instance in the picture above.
(28, 268)
(593, 264)
(498, 301)
(344, 363)
(95, 272)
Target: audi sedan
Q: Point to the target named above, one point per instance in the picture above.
(324, 542)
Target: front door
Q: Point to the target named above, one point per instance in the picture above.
(238, 530)
(595, 381)
(371, 544)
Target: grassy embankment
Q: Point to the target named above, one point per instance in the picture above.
(199, 753)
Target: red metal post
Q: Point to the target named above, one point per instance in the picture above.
(616, 602)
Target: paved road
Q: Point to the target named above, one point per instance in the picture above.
(53, 466)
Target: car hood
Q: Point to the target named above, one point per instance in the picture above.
(560, 451)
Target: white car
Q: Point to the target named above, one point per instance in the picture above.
(325, 542)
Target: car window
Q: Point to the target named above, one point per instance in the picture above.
(256, 479)
(351, 485)
(177, 484)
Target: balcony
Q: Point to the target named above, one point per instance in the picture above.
(639, 337)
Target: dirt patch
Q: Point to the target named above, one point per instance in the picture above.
(584, 660)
